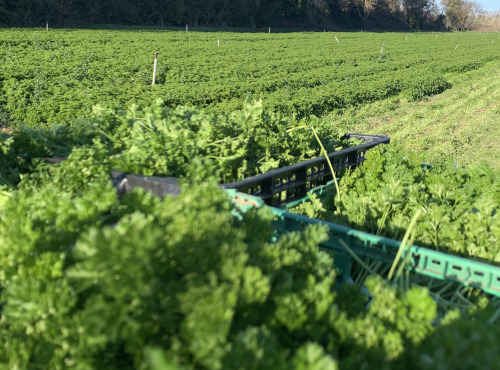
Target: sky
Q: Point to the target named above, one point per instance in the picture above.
(490, 5)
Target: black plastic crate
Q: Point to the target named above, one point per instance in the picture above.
(276, 188)
(291, 183)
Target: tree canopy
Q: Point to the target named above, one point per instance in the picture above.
(331, 14)
(461, 14)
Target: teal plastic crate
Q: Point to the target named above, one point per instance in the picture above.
(423, 261)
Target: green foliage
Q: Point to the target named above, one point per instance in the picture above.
(312, 356)
(443, 350)
(240, 13)
(21, 151)
(164, 141)
(85, 165)
(460, 206)
(300, 73)
(90, 280)
(391, 324)
(93, 281)
(120, 299)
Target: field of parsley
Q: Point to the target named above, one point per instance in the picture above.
(54, 77)
(93, 279)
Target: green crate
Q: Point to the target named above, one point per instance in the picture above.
(422, 261)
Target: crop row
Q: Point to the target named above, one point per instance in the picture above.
(52, 77)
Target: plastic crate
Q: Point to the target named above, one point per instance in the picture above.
(158, 186)
(422, 261)
(289, 184)
(125, 182)
(279, 188)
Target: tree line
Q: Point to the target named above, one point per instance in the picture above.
(330, 14)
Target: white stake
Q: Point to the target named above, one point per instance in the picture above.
(47, 25)
(382, 50)
(218, 41)
(269, 29)
(336, 39)
(154, 68)
(187, 28)
(457, 46)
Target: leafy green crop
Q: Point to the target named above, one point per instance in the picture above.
(89, 280)
(163, 141)
(51, 78)
(460, 207)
